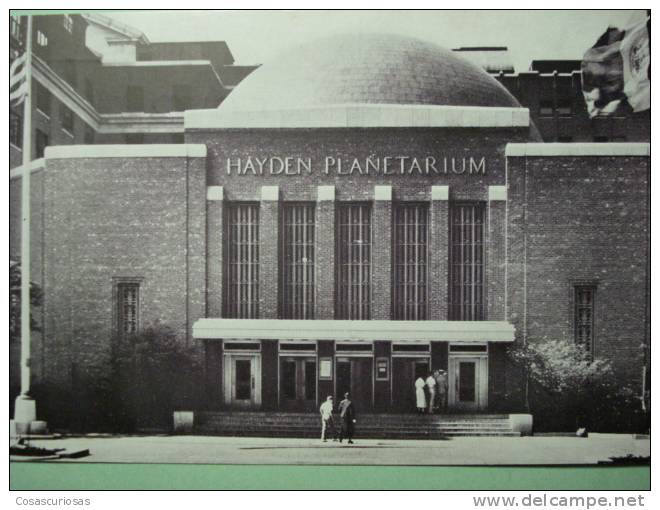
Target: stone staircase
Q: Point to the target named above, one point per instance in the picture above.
(373, 426)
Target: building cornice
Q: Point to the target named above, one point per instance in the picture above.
(344, 330)
(111, 123)
(361, 116)
(577, 149)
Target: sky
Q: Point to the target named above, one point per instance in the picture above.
(255, 37)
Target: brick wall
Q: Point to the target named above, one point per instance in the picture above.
(580, 219)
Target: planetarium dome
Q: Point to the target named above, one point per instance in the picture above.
(367, 69)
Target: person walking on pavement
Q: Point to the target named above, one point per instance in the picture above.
(347, 416)
(327, 421)
(420, 396)
(430, 384)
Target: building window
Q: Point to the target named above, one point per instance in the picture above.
(70, 75)
(17, 28)
(297, 239)
(353, 292)
(181, 97)
(546, 108)
(134, 99)
(41, 142)
(584, 316)
(15, 129)
(43, 99)
(42, 40)
(466, 262)
(128, 308)
(89, 90)
(241, 271)
(410, 261)
(67, 21)
(66, 119)
(89, 135)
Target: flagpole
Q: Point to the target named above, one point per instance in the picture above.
(25, 407)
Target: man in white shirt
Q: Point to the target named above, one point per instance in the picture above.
(326, 419)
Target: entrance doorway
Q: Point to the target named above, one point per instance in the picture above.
(468, 383)
(297, 383)
(242, 381)
(355, 375)
(405, 372)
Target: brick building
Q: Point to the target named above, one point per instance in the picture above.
(345, 225)
(97, 81)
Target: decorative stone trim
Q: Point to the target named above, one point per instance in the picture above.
(383, 193)
(325, 194)
(355, 331)
(215, 193)
(270, 193)
(496, 193)
(361, 116)
(439, 192)
(577, 149)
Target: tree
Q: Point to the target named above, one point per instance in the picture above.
(569, 389)
(36, 297)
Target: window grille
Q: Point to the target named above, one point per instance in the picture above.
(353, 293)
(410, 262)
(297, 284)
(242, 261)
(466, 262)
(584, 316)
(128, 307)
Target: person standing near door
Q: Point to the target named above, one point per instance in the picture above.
(430, 384)
(441, 389)
(327, 422)
(420, 396)
(347, 416)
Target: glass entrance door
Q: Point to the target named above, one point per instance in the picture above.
(242, 381)
(298, 383)
(355, 376)
(468, 383)
(405, 372)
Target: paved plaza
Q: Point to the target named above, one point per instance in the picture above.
(452, 451)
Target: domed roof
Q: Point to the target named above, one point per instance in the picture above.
(367, 68)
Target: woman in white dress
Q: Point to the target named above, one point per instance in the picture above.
(420, 396)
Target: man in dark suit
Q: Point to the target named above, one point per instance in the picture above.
(347, 416)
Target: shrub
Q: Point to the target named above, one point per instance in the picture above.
(568, 389)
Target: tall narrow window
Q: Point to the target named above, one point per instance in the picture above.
(584, 316)
(128, 302)
(15, 129)
(66, 119)
(43, 98)
(353, 282)
(242, 261)
(297, 261)
(67, 22)
(41, 142)
(410, 261)
(466, 262)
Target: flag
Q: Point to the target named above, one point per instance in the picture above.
(617, 69)
(18, 85)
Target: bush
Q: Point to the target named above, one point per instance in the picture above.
(153, 374)
(568, 390)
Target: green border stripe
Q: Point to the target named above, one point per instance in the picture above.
(30, 476)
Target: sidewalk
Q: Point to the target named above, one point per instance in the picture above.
(453, 451)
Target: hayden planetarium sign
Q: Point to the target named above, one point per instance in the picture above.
(388, 165)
